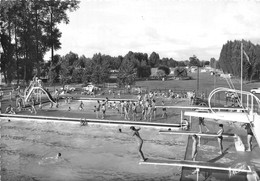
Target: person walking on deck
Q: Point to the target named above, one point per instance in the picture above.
(153, 109)
(220, 138)
(122, 108)
(126, 110)
(97, 109)
(202, 123)
(103, 108)
(149, 113)
(81, 106)
(134, 111)
(33, 109)
(164, 114)
(249, 136)
(194, 147)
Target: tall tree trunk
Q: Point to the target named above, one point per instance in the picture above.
(16, 54)
(37, 44)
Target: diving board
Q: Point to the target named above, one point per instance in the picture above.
(227, 116)
(203, 108)
(194, 164)
(196, 133)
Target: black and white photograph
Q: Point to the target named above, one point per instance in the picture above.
(131, 90)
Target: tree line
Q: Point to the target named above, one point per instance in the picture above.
(74, 69)
(230, 59)
(28, 30)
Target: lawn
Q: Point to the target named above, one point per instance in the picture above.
(206, 83)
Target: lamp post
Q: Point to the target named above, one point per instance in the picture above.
(241, 86)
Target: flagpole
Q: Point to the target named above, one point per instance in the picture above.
(241, 71)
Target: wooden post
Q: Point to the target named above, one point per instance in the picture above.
(181, 118)
(198, 72)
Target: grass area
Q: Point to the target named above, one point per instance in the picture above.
(205, 83)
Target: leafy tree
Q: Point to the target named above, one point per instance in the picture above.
(166, 69)
(230, 59)
(161, 73)
(212, 62)
(194, 61)
(67, 66)
(100, 69)
(154, 59)
(77, 75)
(181, 64)
(28, 30)
(127, 73)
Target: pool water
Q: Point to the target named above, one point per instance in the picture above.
(88, 152)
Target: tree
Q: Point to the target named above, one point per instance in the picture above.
(67, 66)
(212, 62)
(28, 30)
(194, 61)
(166, 69)
(154, 59)
(127, 73)
(160, 73)
(230, 59)
(100, 69)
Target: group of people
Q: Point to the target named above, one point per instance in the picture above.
(233, 98)
(130, 109)
(219, 133)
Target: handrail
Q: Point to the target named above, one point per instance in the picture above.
(223, 89)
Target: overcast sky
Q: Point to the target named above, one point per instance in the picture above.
(175, 29)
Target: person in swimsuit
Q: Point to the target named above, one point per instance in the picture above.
(139, 141)
(249, 136)
(194, 147)
(81, 106)
(51, 160)
(164, 114)
(33, 109)
(153, 108)
(202, 123)
(134, 110)
(149, 113)
(97, 109)
(103, 108)
(9, 110)
(220, 138)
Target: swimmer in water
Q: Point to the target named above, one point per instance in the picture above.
(51, 160)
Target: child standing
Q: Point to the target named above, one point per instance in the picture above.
(164, 114)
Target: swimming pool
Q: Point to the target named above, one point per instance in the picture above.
(88, 152)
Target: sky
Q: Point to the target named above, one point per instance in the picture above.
(175, 29)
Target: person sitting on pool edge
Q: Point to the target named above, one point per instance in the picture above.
(9, 110)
